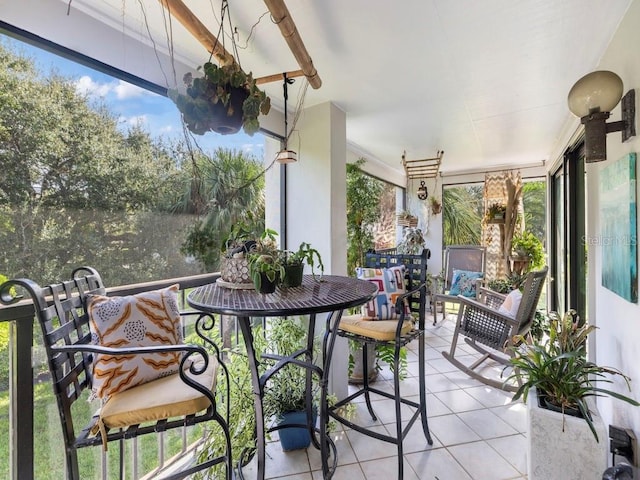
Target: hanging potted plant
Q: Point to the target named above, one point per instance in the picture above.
(223, 100)
(435, 204)
(496, 213)
(406, 219)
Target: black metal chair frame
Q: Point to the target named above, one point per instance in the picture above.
(474, 257)
(61, 312)
(482, 325)
(416, 291)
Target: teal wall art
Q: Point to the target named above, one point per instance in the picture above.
(618, 227)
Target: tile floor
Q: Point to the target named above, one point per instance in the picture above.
(478, 432)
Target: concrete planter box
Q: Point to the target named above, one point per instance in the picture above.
(570, 455)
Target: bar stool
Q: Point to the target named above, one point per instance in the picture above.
(402, 289)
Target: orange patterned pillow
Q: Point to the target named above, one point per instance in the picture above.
(145, 319)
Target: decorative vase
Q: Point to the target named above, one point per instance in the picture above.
(293, 276)
(234, 272)
(563, 446)
(295, 438)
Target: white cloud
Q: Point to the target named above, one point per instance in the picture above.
(86, 86)
(137, 120)
(125, 90)
(122, 90)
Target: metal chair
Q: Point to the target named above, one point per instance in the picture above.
(456, 257)
(61, 310)
(482, 324)
(397, 334)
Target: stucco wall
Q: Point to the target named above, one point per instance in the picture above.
(617, 341)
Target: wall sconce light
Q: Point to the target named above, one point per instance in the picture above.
(591, 99)
(422, 191)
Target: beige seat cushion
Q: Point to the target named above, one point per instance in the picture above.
(159, 399)
(383, 330)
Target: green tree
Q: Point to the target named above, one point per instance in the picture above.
(363, 211)
(534, 201)
(462, 215)
(74, 188)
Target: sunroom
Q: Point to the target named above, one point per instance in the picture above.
(477, 88)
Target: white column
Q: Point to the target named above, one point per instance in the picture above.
(317, 203)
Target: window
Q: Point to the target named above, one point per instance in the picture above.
(95, 171)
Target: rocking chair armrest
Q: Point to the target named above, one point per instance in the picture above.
(467, 302)
(490, 297)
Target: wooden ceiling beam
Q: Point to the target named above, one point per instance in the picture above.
(186, 17)
(281, 16)
(279, 76)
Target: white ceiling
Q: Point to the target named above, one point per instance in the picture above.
(483, 80)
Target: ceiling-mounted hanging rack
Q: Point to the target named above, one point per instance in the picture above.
(281, 17)
(423, 168)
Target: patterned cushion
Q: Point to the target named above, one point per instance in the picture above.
(145, 319)
(390, 283)
(463, 282)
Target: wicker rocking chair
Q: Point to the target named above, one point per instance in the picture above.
(186, 397)
(482, 325)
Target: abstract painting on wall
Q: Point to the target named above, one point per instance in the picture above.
(618, 234)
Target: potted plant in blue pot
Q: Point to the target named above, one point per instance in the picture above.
(285, 395)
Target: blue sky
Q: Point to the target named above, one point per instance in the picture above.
(133, 105)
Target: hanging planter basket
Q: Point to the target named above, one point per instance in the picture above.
(225, 98)
(407, 221)
(223, 119)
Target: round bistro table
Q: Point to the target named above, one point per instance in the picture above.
(330, 294)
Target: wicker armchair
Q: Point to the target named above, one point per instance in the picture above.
(174, 400)
(482, 325)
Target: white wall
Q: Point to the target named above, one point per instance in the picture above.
(617, 340)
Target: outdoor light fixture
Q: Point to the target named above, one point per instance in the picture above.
(422, 191)
(591, 99)
(285, 155)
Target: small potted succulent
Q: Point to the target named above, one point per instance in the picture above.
(234, 262)
(223, 100)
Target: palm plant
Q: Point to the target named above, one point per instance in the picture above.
(461, 215)
(222, 190)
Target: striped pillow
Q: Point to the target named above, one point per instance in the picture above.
(145, 319)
